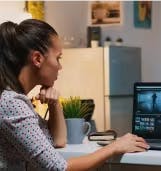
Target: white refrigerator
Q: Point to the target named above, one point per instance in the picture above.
(105, 75)
(82, 75)
(122, 67)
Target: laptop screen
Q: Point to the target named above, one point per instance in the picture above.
(147, 110)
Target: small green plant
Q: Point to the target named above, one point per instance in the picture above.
(73, 108)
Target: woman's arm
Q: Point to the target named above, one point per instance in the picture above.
(90, 161)
(56, 122)
(127, 143)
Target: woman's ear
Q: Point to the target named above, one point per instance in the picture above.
(37, 59)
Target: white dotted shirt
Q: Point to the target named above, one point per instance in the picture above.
(24, 137)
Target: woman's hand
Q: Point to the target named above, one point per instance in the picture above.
(129, 143)
(48, 95)
(56, 122)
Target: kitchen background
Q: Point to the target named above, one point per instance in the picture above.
(70, 18)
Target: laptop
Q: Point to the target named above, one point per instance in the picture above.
(147, 113)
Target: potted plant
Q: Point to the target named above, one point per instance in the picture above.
(73, 108)
(74, 112)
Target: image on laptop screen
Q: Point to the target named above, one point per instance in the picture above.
(147, 110)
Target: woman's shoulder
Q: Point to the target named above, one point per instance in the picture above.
(10, 94)
(10, 97)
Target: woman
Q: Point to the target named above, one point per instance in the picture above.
(29, 56)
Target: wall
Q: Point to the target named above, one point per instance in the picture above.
(148, 39)
(12, 10)
(68, 18)
(71, 18)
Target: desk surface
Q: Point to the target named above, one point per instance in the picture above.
(150, 157)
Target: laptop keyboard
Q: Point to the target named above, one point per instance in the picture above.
(153, 140)
(155, 146)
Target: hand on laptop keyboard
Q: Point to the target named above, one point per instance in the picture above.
(129, 143)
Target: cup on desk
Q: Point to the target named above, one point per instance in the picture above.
(77, 129)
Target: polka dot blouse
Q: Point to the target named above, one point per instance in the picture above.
(24, 137)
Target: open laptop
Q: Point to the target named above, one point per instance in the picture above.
(147, 113)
